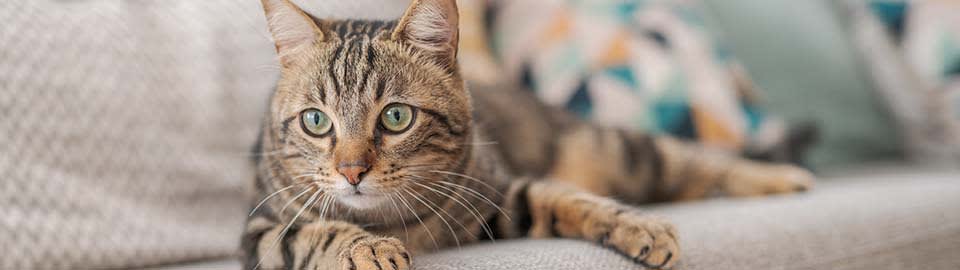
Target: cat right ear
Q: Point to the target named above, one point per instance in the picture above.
(433, 27)
(292, 29)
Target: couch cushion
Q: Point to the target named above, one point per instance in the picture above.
(885, 219)
(125, 127)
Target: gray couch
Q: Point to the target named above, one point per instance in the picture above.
(883, 217)
(126, 127)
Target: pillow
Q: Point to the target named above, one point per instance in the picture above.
(127, 126)
(651, 65)
(913, 50)
(931, 44)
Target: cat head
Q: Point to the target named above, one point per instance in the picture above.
(365, 109)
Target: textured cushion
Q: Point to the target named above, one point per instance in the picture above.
(885, 219)
(125, 127)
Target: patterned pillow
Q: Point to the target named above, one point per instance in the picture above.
(652, 65)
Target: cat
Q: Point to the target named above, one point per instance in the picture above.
(373, 150)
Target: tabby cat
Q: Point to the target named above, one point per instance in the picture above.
(374, 150)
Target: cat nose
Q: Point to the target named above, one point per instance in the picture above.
(352, 171)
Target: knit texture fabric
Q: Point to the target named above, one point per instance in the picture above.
(126, 127)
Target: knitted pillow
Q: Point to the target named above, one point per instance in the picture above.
(126, 127)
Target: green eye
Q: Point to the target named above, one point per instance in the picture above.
(315, 122)
(397, 117)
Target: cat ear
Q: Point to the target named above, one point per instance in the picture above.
(433, 26)
(292, 29)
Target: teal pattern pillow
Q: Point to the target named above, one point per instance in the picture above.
(652, 65)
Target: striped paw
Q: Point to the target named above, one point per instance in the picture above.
(375, 253)
(649, 241)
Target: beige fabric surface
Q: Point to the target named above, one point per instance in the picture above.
(125, 126)
(889, 219)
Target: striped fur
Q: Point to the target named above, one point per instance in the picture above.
(486, 163)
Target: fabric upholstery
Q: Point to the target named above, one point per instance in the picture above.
(126, 127)
(881, 218)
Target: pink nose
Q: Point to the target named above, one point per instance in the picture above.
(352, 171)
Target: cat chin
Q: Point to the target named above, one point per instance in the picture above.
(362, 202)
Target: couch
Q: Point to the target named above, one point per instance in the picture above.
(126, 127)
(880, 217)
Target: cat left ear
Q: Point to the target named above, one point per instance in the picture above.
(292, 29)
(432, 26)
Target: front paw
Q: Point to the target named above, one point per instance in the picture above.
(649, 241)
(375, 253)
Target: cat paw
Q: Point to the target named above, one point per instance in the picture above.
(761, 179)
(649, 241)
(375, 253)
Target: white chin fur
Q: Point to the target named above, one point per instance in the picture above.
(362, 201)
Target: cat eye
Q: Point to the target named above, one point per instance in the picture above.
(397, 117)
(315, 122)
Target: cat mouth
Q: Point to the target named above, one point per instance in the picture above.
(359, 191)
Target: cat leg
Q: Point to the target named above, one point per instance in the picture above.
(545, 209)
(638, 167)
(691, 171)
(319, 245)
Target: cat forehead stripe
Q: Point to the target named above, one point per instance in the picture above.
(352, 62)
(350, 29)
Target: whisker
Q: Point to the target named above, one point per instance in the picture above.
(289, 224)
(470, 178)
(386, 222)
(418, 196)
(478, 195)
(400, 215)
(271, 196)
(284, 208)
(429, 233)
(323, 197)
(470, 191)
(304, 175)
(473, 211)
(327, 202)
